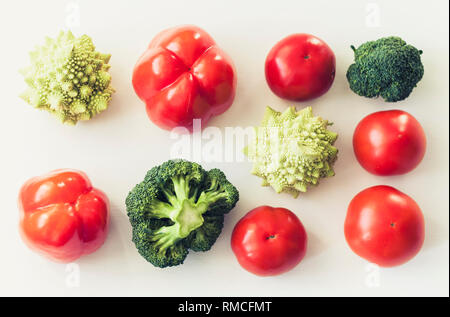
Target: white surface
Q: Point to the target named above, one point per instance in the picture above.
(120, 145)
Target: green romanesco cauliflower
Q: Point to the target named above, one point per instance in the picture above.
(68, 78)
(292, 150)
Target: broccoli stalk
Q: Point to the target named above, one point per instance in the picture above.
(184, 209)
(179, 206)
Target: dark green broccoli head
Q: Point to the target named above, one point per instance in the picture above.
(387, 67)
(220, 190)
(178, 206)
(142, 233)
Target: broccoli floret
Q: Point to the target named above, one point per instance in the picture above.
(178, 206)
(204, 237)
(216, 184)
(292, 150)
(387, 67)
(68, 78)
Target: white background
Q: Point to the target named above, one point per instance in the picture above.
(120, 145)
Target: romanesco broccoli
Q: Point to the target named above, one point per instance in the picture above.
(68, 78)
(292, 150)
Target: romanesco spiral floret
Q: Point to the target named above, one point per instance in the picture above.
(292, 150)
(68, 78)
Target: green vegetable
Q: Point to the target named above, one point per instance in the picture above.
(292, 150)
(68, 78)
(179, 206)
(387, 67)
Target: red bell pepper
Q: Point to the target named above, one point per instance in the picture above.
(182, 76)
(62, 216)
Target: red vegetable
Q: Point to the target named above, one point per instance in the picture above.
(389, 142)
(62, 216)
(184, 75)
(269, 241)
(300, 67)
(384, 226)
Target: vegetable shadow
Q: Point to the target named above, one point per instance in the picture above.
(314, 247)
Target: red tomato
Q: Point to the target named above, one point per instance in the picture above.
(384, 226)
(300, 67)
(389, 142)
(269, 241)
(62, 216)
(182, 76)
